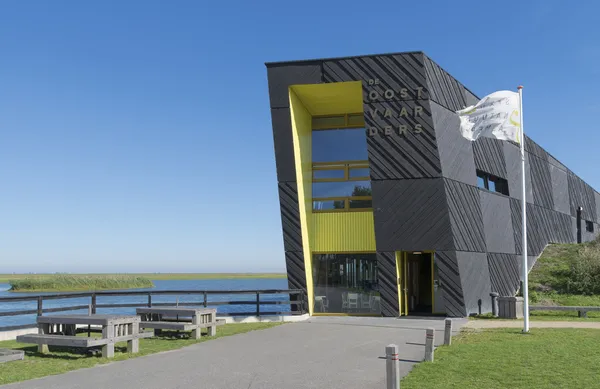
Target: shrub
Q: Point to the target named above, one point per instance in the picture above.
(584, 274)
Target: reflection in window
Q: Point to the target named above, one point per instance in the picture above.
(346, 283)
(349, 144)
(341, 189)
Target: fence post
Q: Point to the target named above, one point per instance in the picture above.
(149, 300)
(40, 301)
(448, 332)
(429, 342)
(392, 367)
(479, 306)
(94, 303)
(205, 300)
(257, 304)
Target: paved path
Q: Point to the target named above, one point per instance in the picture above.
(324, 352)
(480, 324)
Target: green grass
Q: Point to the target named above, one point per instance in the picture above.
(71, 282)
(505, 358)
(546, 316)
(6, 278)
(63, 360)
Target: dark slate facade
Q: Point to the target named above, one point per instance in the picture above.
(430, 178)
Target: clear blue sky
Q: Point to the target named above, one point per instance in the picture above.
(136, 135)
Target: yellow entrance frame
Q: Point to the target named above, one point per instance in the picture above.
(402, 280)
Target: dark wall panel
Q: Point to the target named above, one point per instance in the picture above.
(450, 282)
(290, 216)
(544, 226)
(464, 210)
(489, 156)
(294, 261)
(497, 223)
(388, 285)
(581, 194)
(456, 152)
(535, 149)
(560, 190)
(504, 273)
(395, 72)
(512, 156)
(556, 163)
(541, 182)
(284, 145)
(445, 89)
(284, 75)
(394, 154)
(411, 215)
(597, 200)
(475, 277)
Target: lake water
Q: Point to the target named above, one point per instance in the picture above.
(224, 284)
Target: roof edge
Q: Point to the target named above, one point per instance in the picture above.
(269, 64)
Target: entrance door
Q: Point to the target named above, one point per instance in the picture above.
(415, 282)
(401, 274)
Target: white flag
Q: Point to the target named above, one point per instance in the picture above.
(494, 116)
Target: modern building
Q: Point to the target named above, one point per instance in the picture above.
(387, 210)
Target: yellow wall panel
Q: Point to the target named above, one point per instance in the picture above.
(343, 231)
(302, 139)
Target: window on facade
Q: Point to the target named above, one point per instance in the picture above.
(492, 183)
(340, 169)
(338, 121)
(345, 283)
(589, 226)
(346, 144)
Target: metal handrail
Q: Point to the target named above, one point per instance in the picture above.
(298, 301)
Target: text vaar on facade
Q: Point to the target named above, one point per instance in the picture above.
(401, 129)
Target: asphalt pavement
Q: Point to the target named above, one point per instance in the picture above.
(322, 352)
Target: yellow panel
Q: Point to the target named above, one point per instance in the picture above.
(302, 138)
(330, 99)
(343, 232)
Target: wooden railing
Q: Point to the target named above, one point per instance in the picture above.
(296, 302)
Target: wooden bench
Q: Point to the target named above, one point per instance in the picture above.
(179, 319)
(60, 330)
(581, 311)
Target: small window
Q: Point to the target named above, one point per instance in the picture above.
(492, 183)
(589, 226)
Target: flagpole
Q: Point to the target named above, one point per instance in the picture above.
(525, 276)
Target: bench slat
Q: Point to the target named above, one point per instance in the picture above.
(61, 340)
(168, 325)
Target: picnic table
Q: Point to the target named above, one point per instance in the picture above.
(179, 319)
(61, 330)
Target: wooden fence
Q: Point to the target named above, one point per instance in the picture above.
(296, 301)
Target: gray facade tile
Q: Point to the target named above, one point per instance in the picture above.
(456, 152)
(497, 223)
(512, 156)
(475, 278)
(560, 190)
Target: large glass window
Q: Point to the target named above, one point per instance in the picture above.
(346, 283)
(341, 178)
(347, 144)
